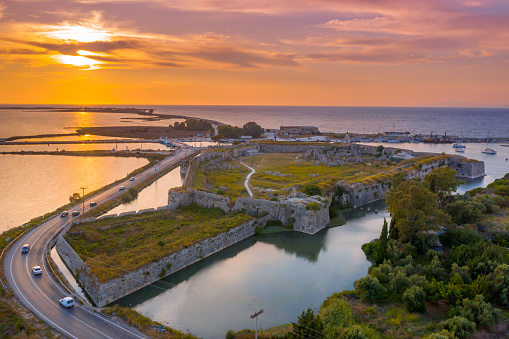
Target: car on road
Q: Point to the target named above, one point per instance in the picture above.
(121, 188)
(64, 214)
(75, 213)
(92, 204)
(25, 248)
(67, 302)
(37, 270)
(132, 179)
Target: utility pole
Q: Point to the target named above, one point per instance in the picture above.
(255, 316)
(83, 197)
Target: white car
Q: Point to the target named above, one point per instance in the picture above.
(121, 188)
(67, 302)
(132, 179)
(37, 270)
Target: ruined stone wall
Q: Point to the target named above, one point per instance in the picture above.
(292, 148)
(103, 294)
(303, 220)
(467, 168)
(177, 198)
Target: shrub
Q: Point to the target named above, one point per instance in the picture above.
(354, 332)
(312, 190)
(414, 299)
(459, 326)
(230, 334)
(479, 311)
(314, 206)
(444, 334)
(369, 288)
(501, 284)
(399, 282)
(418, 280)
(336, 314)
(460, 236)
(462, 271)
(308, 325)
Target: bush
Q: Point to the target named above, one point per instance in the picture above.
(444, 334)
(354, 332)
(460, 236)
(336, 314)
(501, 284)
(314, 206)
(312, 190)
(414, 299)
(399, 282)
(479, 311)
(230, 334)
(369, 288)
(459, 326)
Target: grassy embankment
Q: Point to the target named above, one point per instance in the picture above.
(300, 171)
(143, 323)
(132, 242)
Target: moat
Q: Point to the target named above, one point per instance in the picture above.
(279, 273)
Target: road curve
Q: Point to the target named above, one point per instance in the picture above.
(41, 294)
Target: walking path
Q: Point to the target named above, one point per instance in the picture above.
(246, 182)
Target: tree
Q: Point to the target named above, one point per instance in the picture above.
(230, 132)
(379, 149)
(308, 325)
(442, 181)
(381, 251)
(252, 129)
(416, 209)
(393, 231)
(74, 198)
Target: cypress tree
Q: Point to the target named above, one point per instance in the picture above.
(393, 231)
(381, 253)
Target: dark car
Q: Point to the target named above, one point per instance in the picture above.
(92, 204)
(75, 213)
(64, 214)
(25, 248)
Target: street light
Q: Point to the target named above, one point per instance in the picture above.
(83, 198)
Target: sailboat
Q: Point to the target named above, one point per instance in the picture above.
(488, 150)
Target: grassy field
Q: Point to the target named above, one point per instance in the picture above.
(132, 242)
(300, 171)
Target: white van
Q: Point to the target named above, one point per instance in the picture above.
(67, 302)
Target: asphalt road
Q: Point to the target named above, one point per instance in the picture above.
(42, 293)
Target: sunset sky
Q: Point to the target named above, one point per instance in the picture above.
(255, 52)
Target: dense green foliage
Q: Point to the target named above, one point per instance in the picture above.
(308, 325)
(312, 189)
(252, 129)
(193, 125)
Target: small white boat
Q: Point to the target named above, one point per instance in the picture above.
(458, 145)
(460, 150)
(393, 141)
(488, 150)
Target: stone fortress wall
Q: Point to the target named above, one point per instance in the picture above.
(105, 293)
